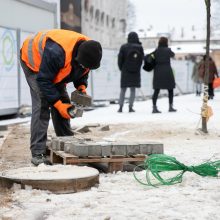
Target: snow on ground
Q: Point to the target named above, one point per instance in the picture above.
(188, 112)
(15, 121)
(119, 196)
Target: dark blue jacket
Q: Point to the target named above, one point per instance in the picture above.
(53, 60)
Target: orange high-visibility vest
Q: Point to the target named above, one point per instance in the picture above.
(33, 48)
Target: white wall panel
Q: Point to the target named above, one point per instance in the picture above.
(105, 82)
(8, 69)
(16, 14)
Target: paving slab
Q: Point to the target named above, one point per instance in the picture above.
(106, 149)
(133, 149)
(119, 149)
(79, 149)
(83, 129)
(62, 141)
(105, 128)
(94, 149)
(151, 148)
(55, 143)
(67, 146)
(85, 148)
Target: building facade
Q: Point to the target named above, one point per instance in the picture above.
(105, 21)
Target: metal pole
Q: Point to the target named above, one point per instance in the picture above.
(18, 33)
(92, 85)
(187, 77)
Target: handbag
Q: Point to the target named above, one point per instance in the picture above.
(216, 83)
(149, 62)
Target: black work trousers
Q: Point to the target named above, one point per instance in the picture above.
(211, 90)
(156, 93)
(41, 110)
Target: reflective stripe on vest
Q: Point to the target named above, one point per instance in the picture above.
(33, 47)
(30, 49)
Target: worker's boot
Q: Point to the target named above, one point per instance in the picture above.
(38, 159)
(131, 109)
(120, 108)
(155, 110)
(171, 109)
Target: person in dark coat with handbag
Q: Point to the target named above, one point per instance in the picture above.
(213, 73)
(163, 77)
(130, 59)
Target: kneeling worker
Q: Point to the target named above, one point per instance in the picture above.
(50, 60)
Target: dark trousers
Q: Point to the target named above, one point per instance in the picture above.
(41, 110)
(198, 88)
(122, 96)
(211, 90)
(156, 93)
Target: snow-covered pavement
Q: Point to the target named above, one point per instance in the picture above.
(119, 196)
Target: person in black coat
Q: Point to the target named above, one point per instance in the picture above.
(163, 77)
(130, 59)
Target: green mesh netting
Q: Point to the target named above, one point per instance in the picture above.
(157, 164)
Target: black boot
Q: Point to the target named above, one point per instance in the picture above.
(131, 109)
(171, 109)
(155, 110)
(38, 159)
(120, 109)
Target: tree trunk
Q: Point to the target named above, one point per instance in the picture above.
(204, 109)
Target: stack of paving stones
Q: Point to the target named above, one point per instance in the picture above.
(84, 148)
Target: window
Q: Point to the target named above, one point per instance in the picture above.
(86, 5)
(91, 12)
(102, 18)
(107, 20)
(113, 22)
(123, 25)
(97, 14)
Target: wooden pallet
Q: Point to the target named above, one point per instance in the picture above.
(114, 162)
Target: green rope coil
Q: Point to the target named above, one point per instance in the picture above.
(155, 164)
